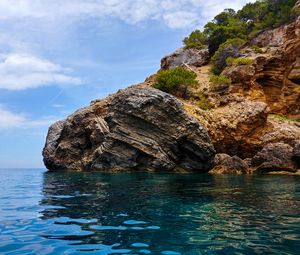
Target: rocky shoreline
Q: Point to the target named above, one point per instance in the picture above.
(252, 126)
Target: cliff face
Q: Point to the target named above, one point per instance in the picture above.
(135, 129)
(274, 76)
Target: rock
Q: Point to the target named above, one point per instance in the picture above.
(53, 136)
(296, 153)
(234, 128)
(186, 56)
(244, 127)
(277, 131)
(139, 129)
(225, 164)
(274, 76)
(274, 157)
(294, 74)
(239, 74)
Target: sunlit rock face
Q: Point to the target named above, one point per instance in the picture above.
(139, 129)
(185, 56)
(274, 75)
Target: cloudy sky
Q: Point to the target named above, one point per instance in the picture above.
(58, 55)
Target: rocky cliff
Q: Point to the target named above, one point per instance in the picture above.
(274, 76)
(249, 126)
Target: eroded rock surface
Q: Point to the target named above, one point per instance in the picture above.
(244, 127)
(185, 56)
(274, 157)
(140, 129)
(274, 76)
(225, 164)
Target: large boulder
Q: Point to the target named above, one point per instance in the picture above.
(274, 157)
(225, 164)
(186, 56)
(139, 129)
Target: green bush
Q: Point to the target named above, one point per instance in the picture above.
(219, 79)
(257, 49)
(230, 48)
(203, 102)
(196, 39)
(169, 80)
(238, 61)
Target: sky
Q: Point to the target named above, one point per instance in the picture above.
(58, 55)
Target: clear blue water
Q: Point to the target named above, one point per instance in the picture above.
(170, 214)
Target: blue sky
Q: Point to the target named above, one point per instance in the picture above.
(58, 55)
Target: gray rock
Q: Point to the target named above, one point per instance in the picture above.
(274, 157)
(185, 56)
(139, 129)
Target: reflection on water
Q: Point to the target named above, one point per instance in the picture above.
(93, 213)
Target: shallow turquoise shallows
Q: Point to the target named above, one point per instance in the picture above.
(169, 214)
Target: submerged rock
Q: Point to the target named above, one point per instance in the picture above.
(135, 129)
(186, 56)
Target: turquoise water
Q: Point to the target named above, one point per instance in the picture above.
(93, 213)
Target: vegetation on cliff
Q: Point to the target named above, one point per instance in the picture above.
(231, 26)
(170, 80)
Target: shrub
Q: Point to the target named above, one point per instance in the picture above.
(238, 61)
(219, 79)
(257, 49)
(228, 49)
(203, 102)
(169, 80)
(196, 39)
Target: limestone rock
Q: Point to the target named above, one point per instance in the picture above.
(239, 74)
(233, 127)
(139, 129)
(186, 56)
(225, 164)
(274, 76)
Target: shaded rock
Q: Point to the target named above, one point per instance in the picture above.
(294, 74)
(296, 154)
(185, 56)
(137, 129)
(274, 157)
(225, 164)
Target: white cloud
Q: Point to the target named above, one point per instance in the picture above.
(9, 120)
(23, 71)
(175, 13)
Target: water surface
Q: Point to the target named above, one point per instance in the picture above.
(171, 214)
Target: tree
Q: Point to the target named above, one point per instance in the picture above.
(196, 39)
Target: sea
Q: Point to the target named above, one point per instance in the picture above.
(45, 212)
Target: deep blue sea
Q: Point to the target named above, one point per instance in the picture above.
(146, 213)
